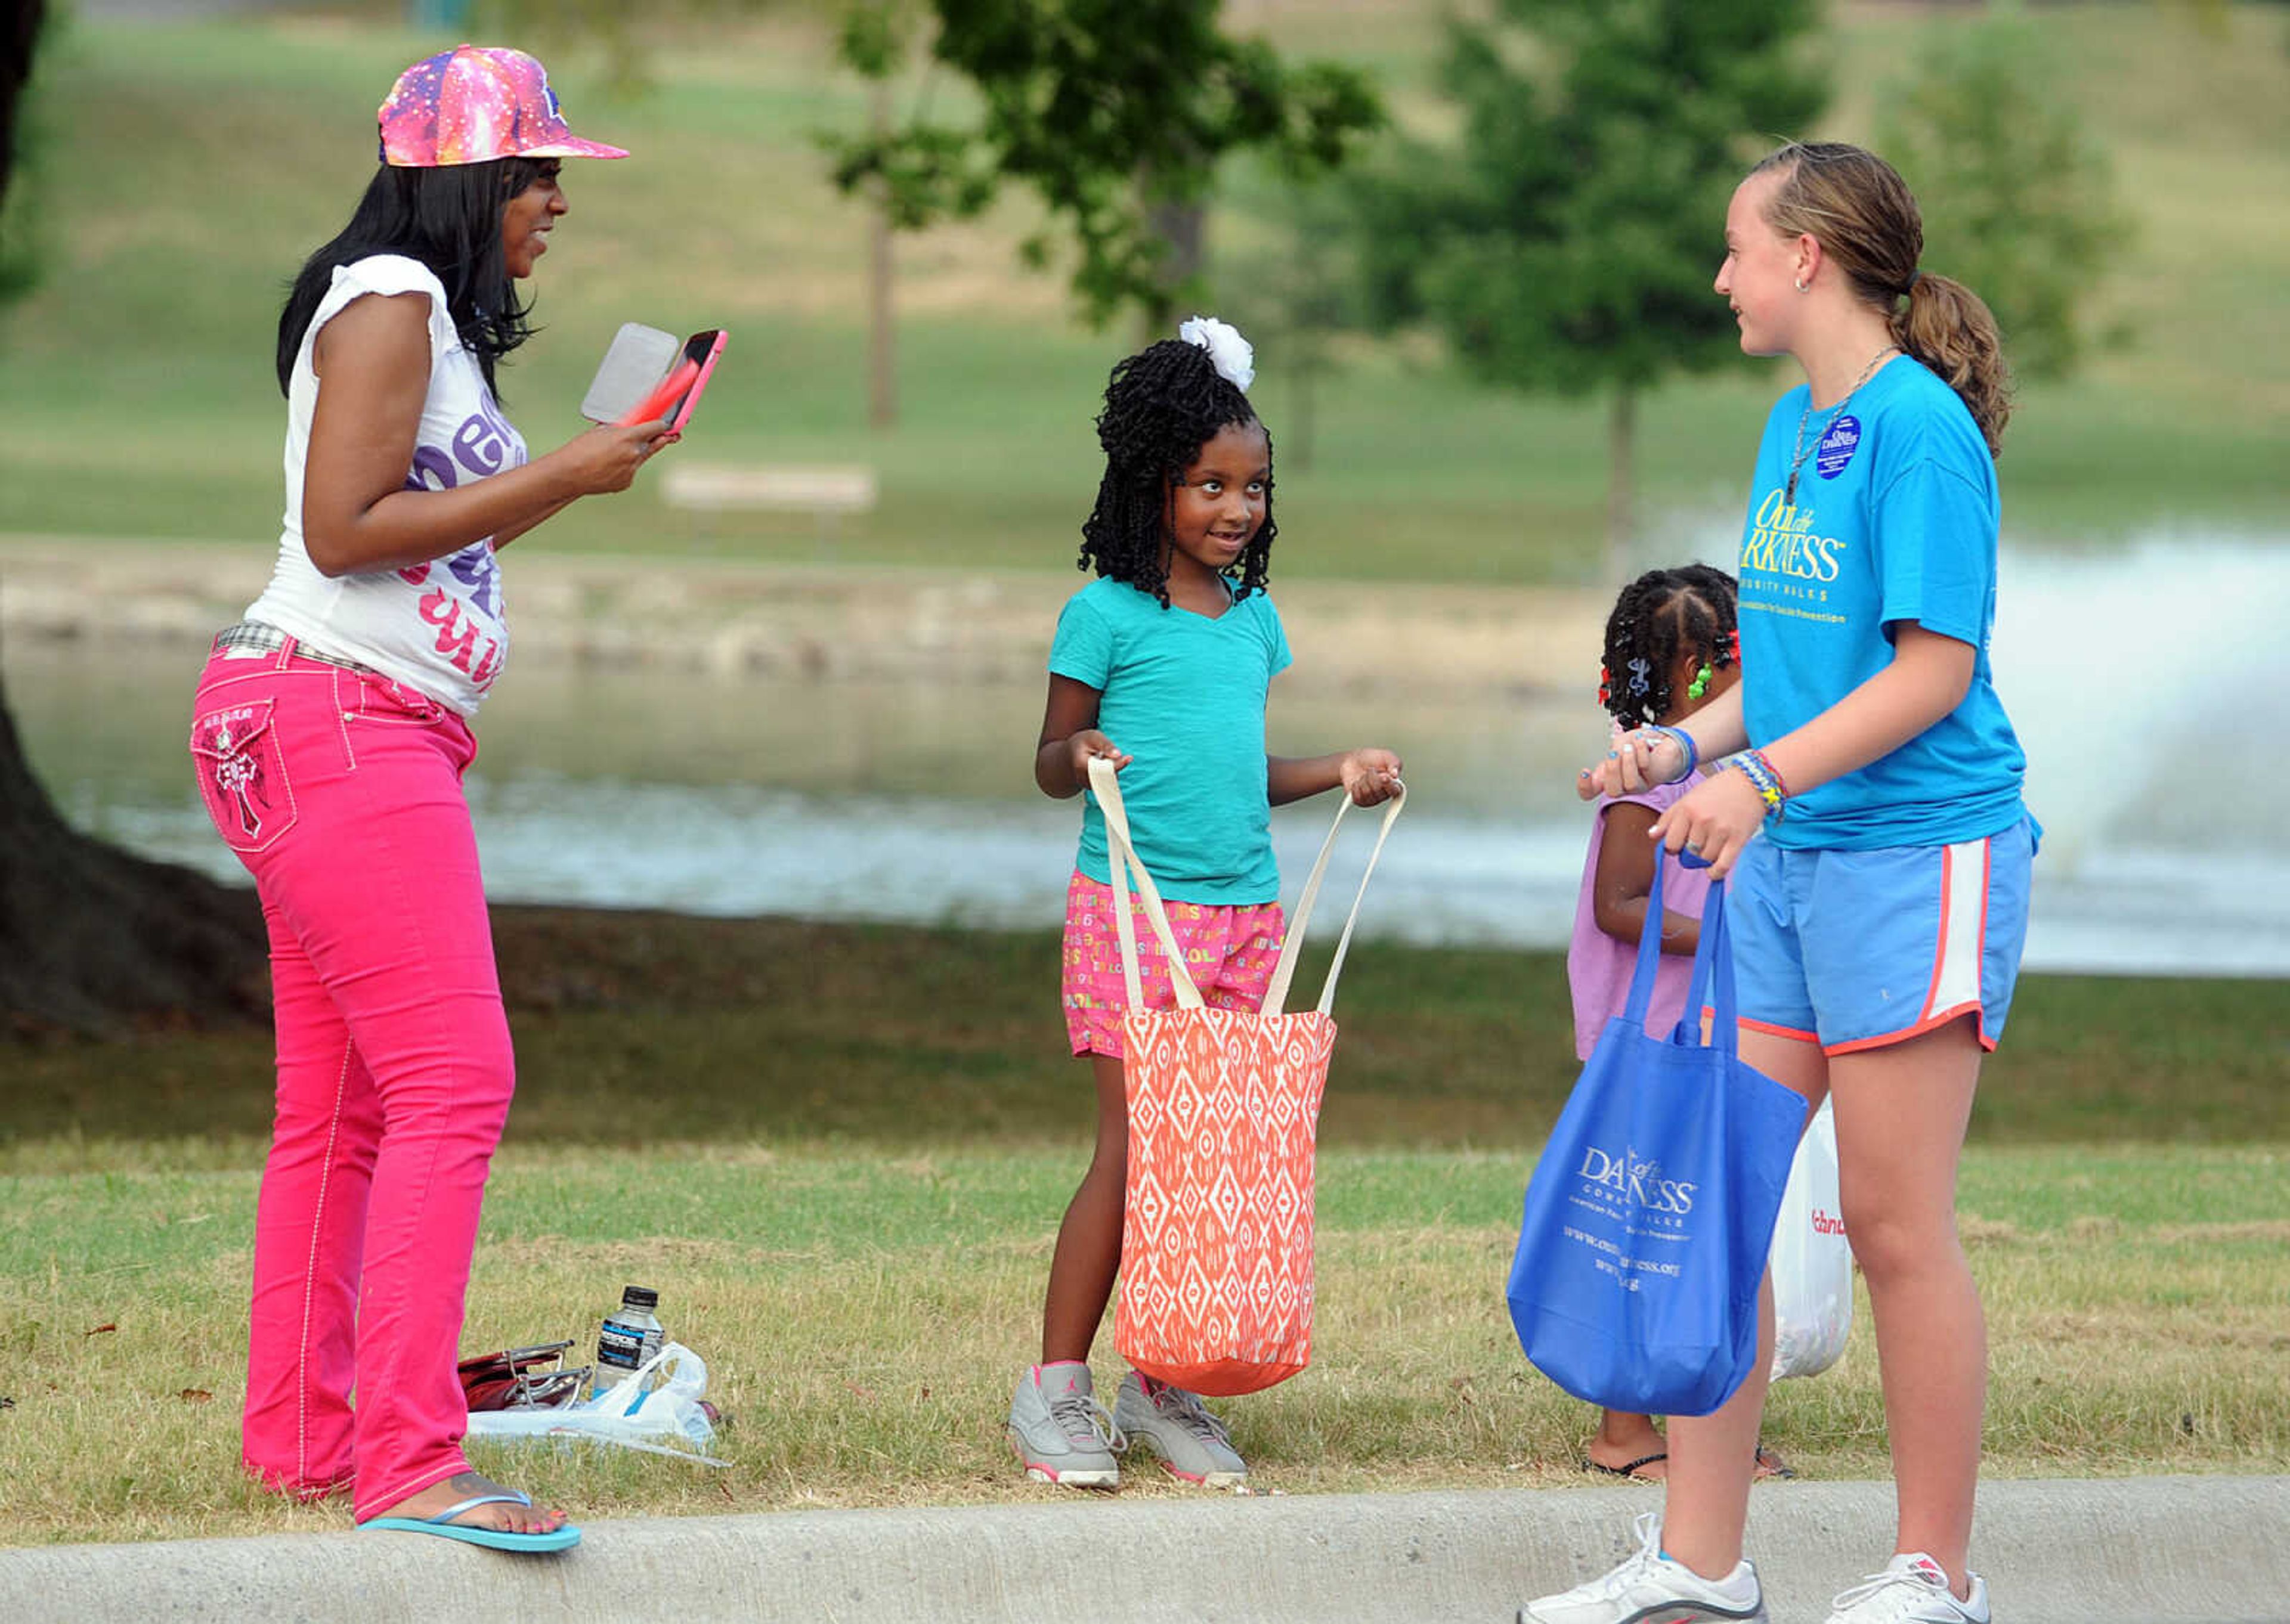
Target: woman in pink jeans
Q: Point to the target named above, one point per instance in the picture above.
(329, 735)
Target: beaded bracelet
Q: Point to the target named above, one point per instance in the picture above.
(1760, 772)
(1685, 744)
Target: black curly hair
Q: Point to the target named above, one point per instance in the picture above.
(1660, 615)
(1162, 405)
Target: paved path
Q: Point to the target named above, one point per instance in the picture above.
(822, 620)
(2160, 1550)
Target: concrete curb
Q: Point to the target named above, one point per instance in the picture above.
(2163, 1550)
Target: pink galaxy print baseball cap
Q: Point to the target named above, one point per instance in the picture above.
(473, 104)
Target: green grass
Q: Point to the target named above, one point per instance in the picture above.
(637, 1029)
(203, 161)
(863, 1316)
(840, 1152)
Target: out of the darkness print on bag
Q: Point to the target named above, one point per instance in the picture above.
(1630, 1190)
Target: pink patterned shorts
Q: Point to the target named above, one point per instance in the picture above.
(1229, 951)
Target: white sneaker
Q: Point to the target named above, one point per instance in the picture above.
(1650, 1588)
(1912, 1590)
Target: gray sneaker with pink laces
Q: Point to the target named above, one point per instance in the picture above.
(1060, 1431)
(1193, 1444)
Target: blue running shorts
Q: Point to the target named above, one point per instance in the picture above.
(1857, 949)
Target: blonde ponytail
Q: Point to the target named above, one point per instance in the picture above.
(1950, 328)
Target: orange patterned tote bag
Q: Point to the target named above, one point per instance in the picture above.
(1224, 1108)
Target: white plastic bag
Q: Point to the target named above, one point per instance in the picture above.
(660, 1419)
(1811, 1259)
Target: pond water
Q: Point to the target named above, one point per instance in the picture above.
(2134, 677)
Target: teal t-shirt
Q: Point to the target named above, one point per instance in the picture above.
(1895, 519)
(1184, 696)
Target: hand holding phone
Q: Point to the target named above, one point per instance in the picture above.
(608, 456)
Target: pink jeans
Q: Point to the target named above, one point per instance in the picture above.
(341, 793)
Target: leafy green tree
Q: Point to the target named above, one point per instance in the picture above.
(2018, 200)
(1567, 240)
(1116, 113)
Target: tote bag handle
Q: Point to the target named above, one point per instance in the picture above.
(1713, 977)
(1276, 994)
(1713, 970)
(1105, 784)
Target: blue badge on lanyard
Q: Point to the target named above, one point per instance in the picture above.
(1836, 450)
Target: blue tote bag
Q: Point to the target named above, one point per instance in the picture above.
(1651, 1212)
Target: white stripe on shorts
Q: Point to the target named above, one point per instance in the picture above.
(1963, 929)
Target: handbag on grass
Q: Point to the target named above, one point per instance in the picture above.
(530, 1378)
(1813, 1259)
(1651, 1211)
(656, 1408)
(1224, 1108)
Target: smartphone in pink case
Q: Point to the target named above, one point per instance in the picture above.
(682, 388)
(649, 375)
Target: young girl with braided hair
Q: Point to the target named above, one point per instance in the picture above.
(1670, 651)
(1161, 667)
(1877, 923)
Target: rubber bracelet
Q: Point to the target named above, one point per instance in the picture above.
(1766, 762)
(1685, 744)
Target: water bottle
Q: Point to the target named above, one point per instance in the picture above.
(630, 1336)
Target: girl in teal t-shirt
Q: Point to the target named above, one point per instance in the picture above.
(1161, 667)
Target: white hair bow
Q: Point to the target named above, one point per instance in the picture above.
(1230, 353)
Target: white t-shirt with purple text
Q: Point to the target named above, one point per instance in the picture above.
(438, 627)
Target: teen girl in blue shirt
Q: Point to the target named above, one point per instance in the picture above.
(1878, 923)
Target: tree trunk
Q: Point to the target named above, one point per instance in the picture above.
(1621, 436)
(91, 938)
(1297, 442)
(19, 35)
(882, 314)
(16, 42)
(1183, 227)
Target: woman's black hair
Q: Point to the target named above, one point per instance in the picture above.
(450, 218)
(1162, 405)
(1660, 615)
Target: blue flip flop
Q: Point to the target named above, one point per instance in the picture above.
(492, 1539)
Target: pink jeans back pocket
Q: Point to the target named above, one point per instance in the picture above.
(243, 773)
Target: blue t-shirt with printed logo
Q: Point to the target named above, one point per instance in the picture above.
(1895, 520)
(1184, 695)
